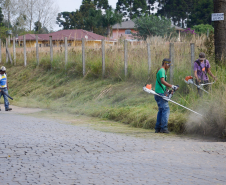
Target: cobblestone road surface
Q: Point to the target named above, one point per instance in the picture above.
(40, 151)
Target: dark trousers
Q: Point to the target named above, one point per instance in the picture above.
(6, 102)
(206, 87)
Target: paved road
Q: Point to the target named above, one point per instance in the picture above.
(40, 151)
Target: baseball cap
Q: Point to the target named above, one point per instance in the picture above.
(3, 68)
(167, 61)
(202, 56)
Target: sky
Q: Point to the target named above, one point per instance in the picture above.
(72, 5)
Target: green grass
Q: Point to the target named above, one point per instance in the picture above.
(64, 89)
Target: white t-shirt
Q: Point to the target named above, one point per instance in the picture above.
(3, 80)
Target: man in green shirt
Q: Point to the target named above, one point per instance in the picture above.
(160, 88)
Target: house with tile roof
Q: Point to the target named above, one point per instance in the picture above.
(125, 30)
(74, 38)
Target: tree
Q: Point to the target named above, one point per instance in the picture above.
(89, 18)
(101, 4)
(84, 8)
(3, 35)
(10, 9)
(186, 13)
(139, 8)
(39, 29)
(219, 31)
(152, 26)
(46, 12)
(131, 8)
(38, 26)
(176, 10)
(29, 10)
(20, 24)
(70, 20)
(1, 17)
(201, 13)
(150, 6)
(110, 18)
(203, 28)
(93, 19)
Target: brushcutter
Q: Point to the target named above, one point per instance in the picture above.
(189, 80)
(6, 94)
(148, 89)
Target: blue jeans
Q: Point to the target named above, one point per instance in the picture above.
(5, 97)
(163, 114)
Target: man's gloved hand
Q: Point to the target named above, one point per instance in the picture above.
(175, 87)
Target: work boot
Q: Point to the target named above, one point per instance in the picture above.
(157, 131)
(8, 109)
(164, 131)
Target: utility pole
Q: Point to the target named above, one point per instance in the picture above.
(220, 30)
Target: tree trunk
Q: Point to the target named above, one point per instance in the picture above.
(108, 31)
(219, 32)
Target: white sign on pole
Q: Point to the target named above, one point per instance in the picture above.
(217, 16)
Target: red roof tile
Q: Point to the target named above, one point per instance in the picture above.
(70, 34)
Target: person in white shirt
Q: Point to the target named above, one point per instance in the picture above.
(4, 87)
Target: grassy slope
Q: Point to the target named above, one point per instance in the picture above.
(119, 101)
(117, 98)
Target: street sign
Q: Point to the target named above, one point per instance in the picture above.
(217, 16)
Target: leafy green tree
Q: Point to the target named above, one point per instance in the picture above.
(101, 4)
(131, 8)
(3, 35)
(39, 29)
(152, 26)
(86, 2)
(139, 8)
(110, 18)
(186, 13)
(177, 10)
(201, 13)
(93, 19)
(76, 20)
(150, 6)
(84, 8)
(38, 26)
(203, 28)
(1, 17)
(70, 20)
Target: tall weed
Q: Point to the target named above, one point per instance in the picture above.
(54, 84)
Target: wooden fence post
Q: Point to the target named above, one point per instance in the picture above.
(66, 51)
(126, 56)
(103, 58)
(25, 55)
(0, 51)
(51, 49)
(172, 61)
(83, 57)
(37, 50)
(6, 54)
(8, 40)
(149, 58)
(192, 58)
(14, 50)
